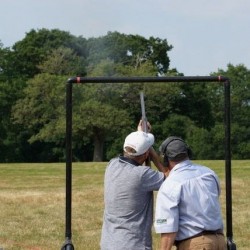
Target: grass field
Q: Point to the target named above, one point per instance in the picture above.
(32, 205)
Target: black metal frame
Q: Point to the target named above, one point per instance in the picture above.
(229, 229)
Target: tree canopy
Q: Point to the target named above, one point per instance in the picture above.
(33, 74)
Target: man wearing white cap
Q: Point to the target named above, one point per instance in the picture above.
(128, 195)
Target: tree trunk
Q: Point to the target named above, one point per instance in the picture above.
(98, 148)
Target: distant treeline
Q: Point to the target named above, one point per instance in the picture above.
(33, 75)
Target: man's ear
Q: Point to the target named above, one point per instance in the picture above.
(147, 154)
(144, 156)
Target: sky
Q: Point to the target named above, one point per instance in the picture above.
(206, 35)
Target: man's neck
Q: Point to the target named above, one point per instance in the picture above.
(172, 164)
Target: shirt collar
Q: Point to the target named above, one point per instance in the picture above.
(128, 160)
(180, 165)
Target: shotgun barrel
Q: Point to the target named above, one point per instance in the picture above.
(144, 121)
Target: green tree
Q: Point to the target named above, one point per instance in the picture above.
(240, 109)
(62, 61)
(97, 116)
(39, 51)
(34, 49)
(41, 112)
(35, 71)
(11, 86)
(130, 50)
(43, 55)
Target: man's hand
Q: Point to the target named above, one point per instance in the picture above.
(167, 240)
(141, 126)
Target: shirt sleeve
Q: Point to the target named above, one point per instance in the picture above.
(167, 212)
(217, 183)
(151, 179)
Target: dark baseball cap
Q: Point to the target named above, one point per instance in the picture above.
(173, 146)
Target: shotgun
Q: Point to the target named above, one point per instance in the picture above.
(144, 122)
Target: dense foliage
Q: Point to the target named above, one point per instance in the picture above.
(33, 74)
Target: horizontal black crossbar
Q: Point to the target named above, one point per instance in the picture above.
(147, 79)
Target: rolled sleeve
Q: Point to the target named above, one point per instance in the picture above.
(167, 212)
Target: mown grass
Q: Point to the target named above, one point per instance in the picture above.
(32, 205)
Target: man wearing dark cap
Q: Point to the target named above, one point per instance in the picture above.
(188, 212)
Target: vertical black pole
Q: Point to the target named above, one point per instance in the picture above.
(230, 244)
(68, 244)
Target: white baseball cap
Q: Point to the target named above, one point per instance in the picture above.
(139, 141)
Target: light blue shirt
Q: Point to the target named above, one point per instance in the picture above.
(188, 201)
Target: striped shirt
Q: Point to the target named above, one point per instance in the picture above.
(128, 213)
